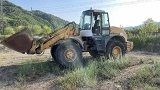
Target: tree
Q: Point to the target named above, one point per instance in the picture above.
(19, 28)
(46, 30)
(149, 26)
(8, 31)
(36, 30)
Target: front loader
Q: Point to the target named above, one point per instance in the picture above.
(65, 49)
(67, 44)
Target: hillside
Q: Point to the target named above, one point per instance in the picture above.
(17, 16)
(131, 27)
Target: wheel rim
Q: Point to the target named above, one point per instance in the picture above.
(70, 55)
(116, 51)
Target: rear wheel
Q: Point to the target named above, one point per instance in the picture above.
(115, 49)
(69, 54)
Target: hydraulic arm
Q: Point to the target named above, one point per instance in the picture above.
(23, 42)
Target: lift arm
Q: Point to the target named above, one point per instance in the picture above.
(40, 45)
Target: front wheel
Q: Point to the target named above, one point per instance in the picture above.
(69, 54)
(115, 49)
(53, 52)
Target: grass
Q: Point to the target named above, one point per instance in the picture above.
(91, 74)
(30, 71)
(147, 78)
(80, 77)
(110, 68)
(144, 73)
(94, 72)
(77, 78)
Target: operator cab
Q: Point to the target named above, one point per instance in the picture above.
(94, 23)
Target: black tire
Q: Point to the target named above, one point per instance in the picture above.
(94, 53)
(69, 54)
(118, 46)
(53, 52)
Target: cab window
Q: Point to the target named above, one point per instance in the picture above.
(105, 24)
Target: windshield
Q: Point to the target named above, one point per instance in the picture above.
(85, 22)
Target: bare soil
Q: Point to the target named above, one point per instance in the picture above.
(10, 60)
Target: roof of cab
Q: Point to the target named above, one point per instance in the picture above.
(95, 10)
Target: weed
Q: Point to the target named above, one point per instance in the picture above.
(92, 73)
(157, 68)
(74, 78)
(147, 78)
(144, 73)
(110, 68)
(80, 77)
(30, 71)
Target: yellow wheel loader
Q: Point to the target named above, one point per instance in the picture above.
(67, 44)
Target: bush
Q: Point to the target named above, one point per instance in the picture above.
(36, 30)
(19, 28)
(46, 30)
(8, 31)
(150, 43)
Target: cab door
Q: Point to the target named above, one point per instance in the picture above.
(105, 25)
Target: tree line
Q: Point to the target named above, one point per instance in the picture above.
(35, 30)
(146, 37)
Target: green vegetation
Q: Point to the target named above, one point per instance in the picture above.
(80, 77)
(88, 76)
(147, 78)
(92, 74)
(8, 31)
(146, 37)
(16, 18)
(30, 71)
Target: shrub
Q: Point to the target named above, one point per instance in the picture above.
(150, 43)
(8, 31)
(19, 28)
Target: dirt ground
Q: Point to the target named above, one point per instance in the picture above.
(10, 60)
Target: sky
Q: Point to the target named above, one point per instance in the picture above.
(121, 12)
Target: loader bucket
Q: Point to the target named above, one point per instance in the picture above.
(20, 41)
